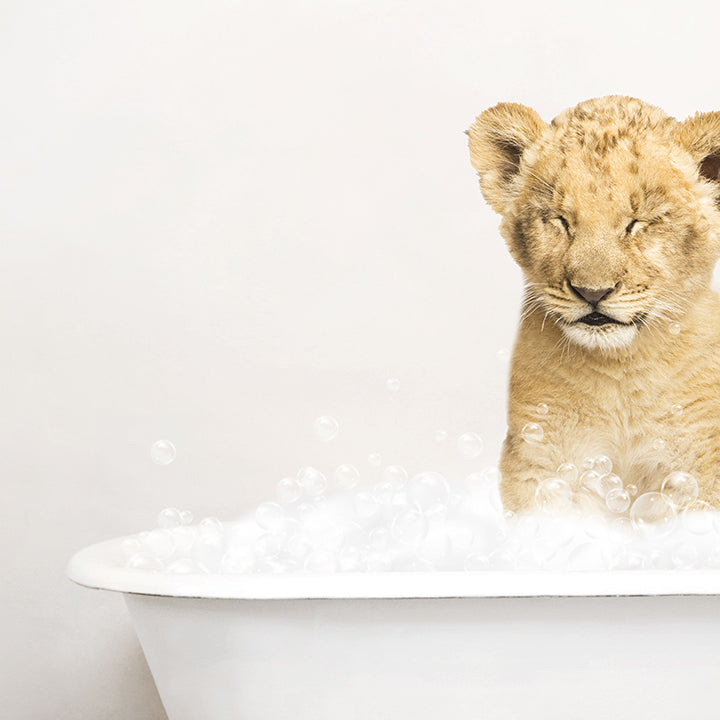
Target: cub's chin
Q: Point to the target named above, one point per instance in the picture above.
(600, 332)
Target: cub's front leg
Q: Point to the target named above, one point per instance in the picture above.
(523, 464)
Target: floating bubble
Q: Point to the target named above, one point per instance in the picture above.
(375, 459)
(553, 495)
(326, 428)
(609, 482)
(684, 556)
(410, 526)
(568, 473)
(395, 476)
(184, 538)
(698, 518)
(674, 328)
(384, 492)
(658, 444)
(238, 559)
(210, 528)
(162, 452)
(680, 488)
(652, 514)
(632, 490)
(392, 384)
(271, 517)
(365, 504)
(186, 517)
(470, 445)
(441, 436)
(590, 480)
(602, 465)
(503, 355)
(159, 542)
(542, 409)
(169, 518)
(532, 433)
(429, 491)
(288, 491)
(312, 481)
(346, 476)
(618, 500)
(676, 410)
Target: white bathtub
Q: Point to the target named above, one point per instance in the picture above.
(423, 646)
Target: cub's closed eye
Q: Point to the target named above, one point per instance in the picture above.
(564, 223)
(630, 226)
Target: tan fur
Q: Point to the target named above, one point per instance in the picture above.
(613, 194)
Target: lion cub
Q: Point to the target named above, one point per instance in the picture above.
(612, 211)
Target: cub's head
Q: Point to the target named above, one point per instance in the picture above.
(612, 211)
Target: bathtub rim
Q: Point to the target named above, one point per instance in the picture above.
(101, 566)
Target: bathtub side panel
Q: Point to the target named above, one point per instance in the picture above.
(424, 659)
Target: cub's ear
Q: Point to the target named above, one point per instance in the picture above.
(700, 135)
(498, 139)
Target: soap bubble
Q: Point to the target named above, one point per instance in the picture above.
(532, 433)
(346, 476)
(542, 409)
(271, 517)
(674, 328)
(365, 504)
(162, 452)
(618, 500)
(503, 355)
(680, 488)
(312, 481)
(470, 445)
(588, 463)
(609, 482)
(676, 410)
(375, 459)
(238, 559)
(159, 542)
(395, 475)
(602, 465)
(428, 490)
(658, 444)
(169, 518)
(392, 384)
(210, 528)
(326, 428)
(288, 491)
(186, 517)
(379, 538)
(553, 495)
(130, 546)
(409, 526)
(684, 556)
(697, 517)
(568, 473)
(441, 436)
(184, 538)
(652, 514)
(144, 561)
(590, 480)
(632, 490)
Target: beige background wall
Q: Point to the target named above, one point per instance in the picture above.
(221, 220)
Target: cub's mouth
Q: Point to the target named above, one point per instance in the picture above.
(597, 318)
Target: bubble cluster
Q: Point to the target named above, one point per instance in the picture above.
(411, 522)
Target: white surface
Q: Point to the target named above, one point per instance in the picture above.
(221, 220)
(102, 566)
(464, 659)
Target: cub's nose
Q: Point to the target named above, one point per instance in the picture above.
(593, 295)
